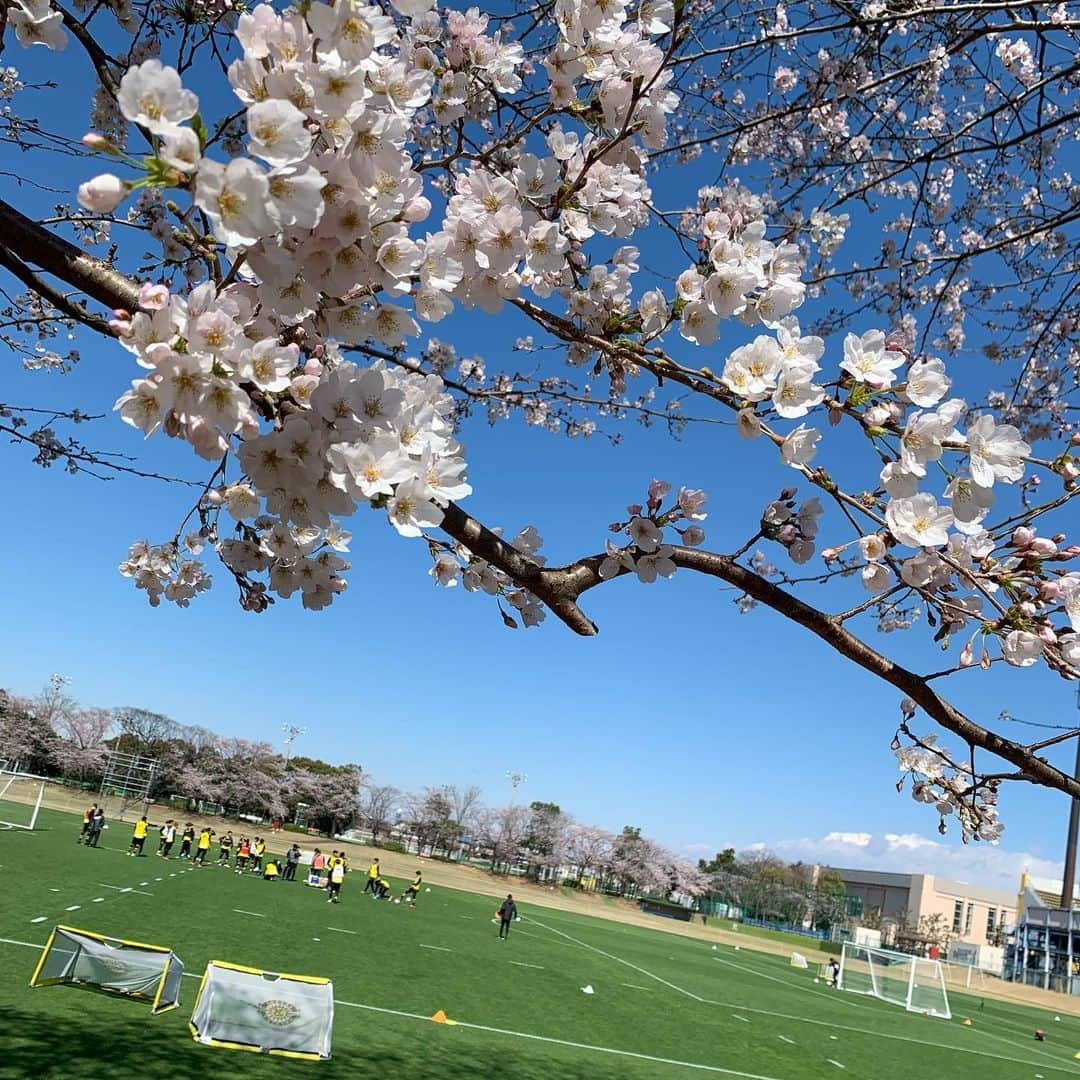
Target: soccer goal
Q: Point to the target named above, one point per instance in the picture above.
(81, 957)
(267, 1012)
(910, 981)
(21, 795)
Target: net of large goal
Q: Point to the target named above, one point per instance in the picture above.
(21, 795)
(916, 984)
(266, 1012)
(81, 957)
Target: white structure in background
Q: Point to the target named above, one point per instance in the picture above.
(21, 795)
(910, 981)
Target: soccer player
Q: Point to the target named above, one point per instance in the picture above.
(337, 876)
(372, 876)
(507, 914)
(168, 839)
(87, 815)
(97, 823)
(382, 889)
(138, 836)
(834, 972)
(203, 846)
(187, 840)
(243, 853)
(292, 859)
(225, 848)
(271, 872)
(413, 891)
(258, 850)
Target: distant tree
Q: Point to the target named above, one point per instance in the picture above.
(428, 815)
(589, 850)
(26, 742)
(720, 862)
(504, 830)
(380, 807)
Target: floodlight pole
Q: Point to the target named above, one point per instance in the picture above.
(515, 778)
(292, 733)
(1069, 877)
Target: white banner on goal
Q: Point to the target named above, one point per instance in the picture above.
(912, 982)
(21, 795)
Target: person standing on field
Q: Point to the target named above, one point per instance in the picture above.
(507, 914)
(292, 860)
(97, 823)
(138, 836)
(204, 846)
(372, 876)
(337, 876)
(168, 839)
(187, 840)
(87, 815)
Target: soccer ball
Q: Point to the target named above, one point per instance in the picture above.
(397, 900)
(817, 980)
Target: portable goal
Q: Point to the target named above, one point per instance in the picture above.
(21, 795)
(132, 968)
(266, 1012)
(910, 981)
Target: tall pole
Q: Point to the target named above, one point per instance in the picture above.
(292, 733)
(515, 778)
(1069, 879)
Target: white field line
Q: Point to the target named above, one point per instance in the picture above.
(74, 907)
(254, 914)
(807, 1020)
(832, 996)
(521, 963)
(836, 1063)
(619, 960)
(736, 1016)
(118, 888)
(565, 1042)
(634, 986)
(40, 918)
(437, 948)
(339, 930)
(668, 1061)
(465, 916)
(98, 900)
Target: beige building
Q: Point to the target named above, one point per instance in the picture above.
(969, 914)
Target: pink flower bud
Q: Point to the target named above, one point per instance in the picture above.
(1022, 536)
(1075, 440)
(96, 142)
(967, 654)
(1046, 632)
(634, 509)
(1029, 609)
(1042, 546)
(313, 367)
(103, 194)
(1049, 590)
(830, 553)
(1058, 537)
(835, 416)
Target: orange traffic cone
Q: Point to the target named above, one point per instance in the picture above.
(440, 1017)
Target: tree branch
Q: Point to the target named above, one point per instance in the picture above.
(39, 247)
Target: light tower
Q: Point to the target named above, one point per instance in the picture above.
(515, 778)
(1070, 844)
(292, 732)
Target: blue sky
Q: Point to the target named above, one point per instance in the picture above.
(704, 727)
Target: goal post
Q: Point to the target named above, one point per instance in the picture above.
(21, 796)
(914, 983)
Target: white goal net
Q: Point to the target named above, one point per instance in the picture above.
(916, 984)
(21, 795)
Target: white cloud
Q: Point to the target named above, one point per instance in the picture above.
(912, 853)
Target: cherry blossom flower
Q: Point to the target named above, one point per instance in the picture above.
(151, 95)
(919, 521)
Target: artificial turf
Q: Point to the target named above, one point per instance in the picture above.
(665, 1006)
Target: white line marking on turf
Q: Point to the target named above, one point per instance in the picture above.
(618, 960)
(40, 918)
(338, 930)
(736, 1016)
(118, 888)
(789, 983)
(521, 963)
(254, 914)
(784, 1038)
(98, 900)
(634, 986)
(836, 1063)
(74, 907)
(144, 882)
(27, 944)
(438, 948)
(563, 1042)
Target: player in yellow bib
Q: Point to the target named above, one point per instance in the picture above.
(138, 836)
(203, 847)
(372, 877)
(413, 891)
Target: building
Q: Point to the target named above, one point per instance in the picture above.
(1044, 950)
(912, 908)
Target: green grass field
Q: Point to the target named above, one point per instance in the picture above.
(664, 1006)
